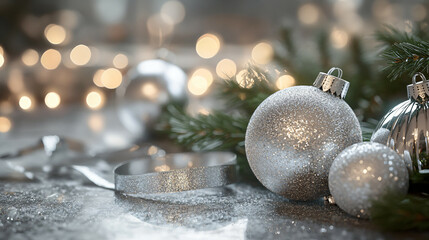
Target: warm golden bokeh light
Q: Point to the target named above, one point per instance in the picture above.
(5, 124)
(159, 28)
(308, 14)
(150, 90)
(1, 60)
(30, 57)
(173, 12)
(16, 80)
(80, 55)
(97, 78)
(55, 34)
(52, 100)
(208, 45)
(226, 68)
(95, 100)
(120, 61)
(25, 103)
(96, 122)
(111, 78)
(262, 53)
(242, 80)
(204, 73)
(50, 59)
(198, 85)
(339, 38)
(285, 81)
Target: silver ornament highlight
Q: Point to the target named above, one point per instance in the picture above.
(146, 88)
(364, 172)
(295, 134)
(405, 128)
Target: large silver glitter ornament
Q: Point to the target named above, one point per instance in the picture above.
(365, 172)
(405, 128)
(295, 134)
(146, 88)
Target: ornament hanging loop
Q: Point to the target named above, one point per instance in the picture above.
(334, 85)
(332, 70)
(418, 91)
(421, 75)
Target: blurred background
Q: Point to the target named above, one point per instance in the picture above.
(100, 71)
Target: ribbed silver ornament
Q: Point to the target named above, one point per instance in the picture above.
(405, 128)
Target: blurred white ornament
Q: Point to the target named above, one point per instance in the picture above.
(145, 90)
(405, 128)
(365, 172)
(295, 134)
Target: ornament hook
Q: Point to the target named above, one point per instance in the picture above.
(340, 71)
(421, 75)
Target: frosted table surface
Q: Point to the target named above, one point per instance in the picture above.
(61, 208)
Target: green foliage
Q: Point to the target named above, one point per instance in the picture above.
(247, 95)
(403, 53)
(399, 213)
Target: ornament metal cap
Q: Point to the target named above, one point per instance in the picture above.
(332, 84)
(419, 91)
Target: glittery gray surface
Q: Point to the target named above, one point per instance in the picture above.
(294, 136)
(366, 171)
(65, 210)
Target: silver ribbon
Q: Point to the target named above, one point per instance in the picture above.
(176, 173)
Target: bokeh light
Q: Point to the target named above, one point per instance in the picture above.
(111, 78)
(198, 85)
(96, 122)
(308, 14)
(204, 73)
(55, 34)
(339, 38)
(159, 28)
(1, 60)
(120, 61)
(150, 90)
(243, 81)
(30, 57)
(285, 81)
(208, 45)
(226, 68)
(25, 103)
(5, 124)
(50, 59)
(80, 55)
(173, 12)
(52, 100)
(97, 78)
(262, 53)
(95, 100)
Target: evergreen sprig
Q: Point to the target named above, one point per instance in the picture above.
(400, 213)
(217, 131)
(255, 87)
(404, 54)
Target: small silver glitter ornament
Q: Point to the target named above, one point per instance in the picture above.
(364, 172)
(295, 134)
(146, 88)
(405, 128)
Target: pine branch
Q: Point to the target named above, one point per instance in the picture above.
(399, 213)
(217, 131)
(248, 95)
(405, 54)
(407, 59)
(390, 36)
